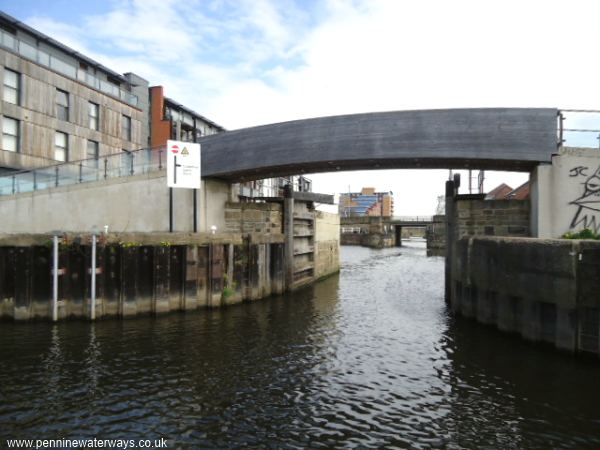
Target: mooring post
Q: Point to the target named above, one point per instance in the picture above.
(93, 311)
(288, 231)
(55, 279)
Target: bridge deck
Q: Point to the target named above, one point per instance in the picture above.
(494, 138)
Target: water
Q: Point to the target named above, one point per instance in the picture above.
(370, 359)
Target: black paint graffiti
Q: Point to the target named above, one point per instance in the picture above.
(589, 202)
(579, 170)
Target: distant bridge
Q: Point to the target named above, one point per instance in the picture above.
(410, 221)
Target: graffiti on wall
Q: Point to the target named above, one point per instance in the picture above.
(588, 204)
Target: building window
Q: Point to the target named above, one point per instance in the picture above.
(10, 134)
(126, 127)
(61, 146)
(94, 115)
(62, 105)
(11, 86)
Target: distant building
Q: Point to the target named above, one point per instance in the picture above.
(520, 193)
(367, 202)
(499, 192)
(505, 192)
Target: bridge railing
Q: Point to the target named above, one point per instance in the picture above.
(579, 128)
(412, 218)
(116, 165)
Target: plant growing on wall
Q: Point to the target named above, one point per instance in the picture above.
(583, 234)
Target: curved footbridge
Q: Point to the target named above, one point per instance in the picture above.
(483, 138)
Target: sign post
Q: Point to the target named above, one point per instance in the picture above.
(183, 171)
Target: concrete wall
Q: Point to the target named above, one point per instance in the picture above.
(136, 203)
(544, 290)
(37, 116)
(565, 193)
(327, 244)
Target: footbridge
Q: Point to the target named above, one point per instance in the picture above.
(483, 138)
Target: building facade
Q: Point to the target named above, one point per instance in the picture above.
(367, 202)
(58, 105)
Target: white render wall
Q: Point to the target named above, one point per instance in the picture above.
(556, 189)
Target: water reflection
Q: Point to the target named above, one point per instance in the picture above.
(371, 358)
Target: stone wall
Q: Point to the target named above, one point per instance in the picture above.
(327, 244)
(476, 216)
(436, 236)
(253, 218)
(544, 290)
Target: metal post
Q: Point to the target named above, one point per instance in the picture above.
(14, 184)
(105, 168)
(80, 172)
(131, 171)
(55, 279)
(170, 210)
(56, 175)
(34, 180)
(93, 311)
(160, 160)
(195, 210)
(561, 120)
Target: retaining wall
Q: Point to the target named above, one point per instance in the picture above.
(543, 289)
(137, 273)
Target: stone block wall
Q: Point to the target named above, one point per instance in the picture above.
(327, 244)
(253, 218)
(436, 236)
(543, 289)
(476, 216)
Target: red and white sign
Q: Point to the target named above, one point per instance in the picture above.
(183, 165)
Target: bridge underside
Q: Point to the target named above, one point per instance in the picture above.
(496, 138)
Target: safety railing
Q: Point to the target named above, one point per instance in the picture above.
(412, 218)
(579, 128)
(95, 169)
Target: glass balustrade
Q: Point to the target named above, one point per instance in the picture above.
(96, 169)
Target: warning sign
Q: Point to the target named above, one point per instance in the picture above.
(183, 165)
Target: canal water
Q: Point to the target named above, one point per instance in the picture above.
(370, 359)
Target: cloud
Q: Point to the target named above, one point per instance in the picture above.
(251, 62)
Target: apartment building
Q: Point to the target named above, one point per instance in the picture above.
(367, 202)
(58, 105)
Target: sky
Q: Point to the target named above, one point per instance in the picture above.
(251, 62)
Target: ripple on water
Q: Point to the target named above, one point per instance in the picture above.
(372, 359)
